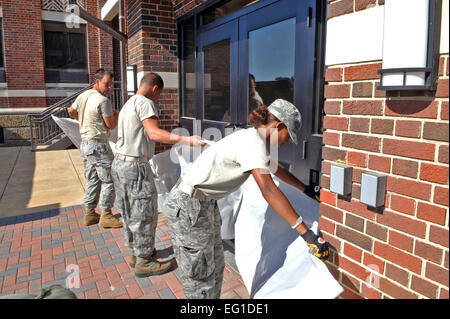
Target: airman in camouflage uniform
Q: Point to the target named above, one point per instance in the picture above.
(96, 116)
(138, 131)
(195, 229)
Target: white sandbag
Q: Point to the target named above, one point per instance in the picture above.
(272, 258)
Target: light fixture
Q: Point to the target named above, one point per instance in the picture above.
(131, 79)
(411, 44)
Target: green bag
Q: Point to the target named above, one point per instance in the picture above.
(52, 292)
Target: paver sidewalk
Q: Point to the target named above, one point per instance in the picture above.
(36, 250)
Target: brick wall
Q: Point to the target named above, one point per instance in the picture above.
(404, 136)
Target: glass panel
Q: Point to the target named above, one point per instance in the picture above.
(189, 102)
(217, 81)
(65, 50)
(271, 64)
(223, 9)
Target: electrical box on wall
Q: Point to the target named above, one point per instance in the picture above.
(373, 189)
(341, 179)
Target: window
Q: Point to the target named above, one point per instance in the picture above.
(65, 53)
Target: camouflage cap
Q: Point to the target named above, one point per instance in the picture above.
(287, 113)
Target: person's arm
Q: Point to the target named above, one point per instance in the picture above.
(157, 134)
(288, 178)
(111, 121)
(73, 113)
(276, 199)
(281, 205)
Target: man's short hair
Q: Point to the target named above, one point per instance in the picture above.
(100, 74)
(151, 79)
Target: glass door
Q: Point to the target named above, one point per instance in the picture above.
(217, 69)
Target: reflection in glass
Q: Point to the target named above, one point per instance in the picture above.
(217, 81)
(189, 103)
(223, 9)
(271, 64)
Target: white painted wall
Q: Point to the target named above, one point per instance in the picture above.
(358, 37)
(110, 10)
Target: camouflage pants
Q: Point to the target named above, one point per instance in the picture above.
(195, 229)
(137, 200)
(97, 159)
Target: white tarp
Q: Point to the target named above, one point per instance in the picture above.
(273, 259)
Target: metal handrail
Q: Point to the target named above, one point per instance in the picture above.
(43, 130)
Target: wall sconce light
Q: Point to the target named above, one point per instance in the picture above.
(131, 79)
(411, 44)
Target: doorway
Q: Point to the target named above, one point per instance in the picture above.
(234, 63)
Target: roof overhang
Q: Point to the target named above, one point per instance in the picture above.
(110, 10)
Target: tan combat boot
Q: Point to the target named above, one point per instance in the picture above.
(149, 267)
(91, 217)
(133, 258)
(108, 220)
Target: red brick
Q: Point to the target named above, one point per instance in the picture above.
(349, 294)
(353, 252)
(442, 88)
(409, 188)
(364, 4)
(436, 273)
(353, 268)
(424, 287)
(401, 241)
(402, 223)
(362, 89)
(369, 292)
(326, 225)
(376, 231)
(380, 163)
(444, 111)
(330, 138)
(332, 107)
(335, 123)
(337, 91)
(363, 107)
(359, 125)
(382, 126)
(358, 159)
(434, 173)
(333, 75)
(419, 150)
(397, 274)
(362, 72)
(354, 222)
(436, 131)
(398, 257)
(411, 108)
(334, 242)
(325, 182)
(356, 208)
(439, 235)
(361, 142)
(431, 213)
(443, 154)
(444, 294)
(402, 204)
(339, 8)
(333, 154)
(395, 291)
(331, 213)
(428, 252)
(408, 128)
(405, 168)
(360, 240)
(327, 197)
(374, 263)
(441, 66)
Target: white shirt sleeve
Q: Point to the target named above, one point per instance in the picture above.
(146, 109)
